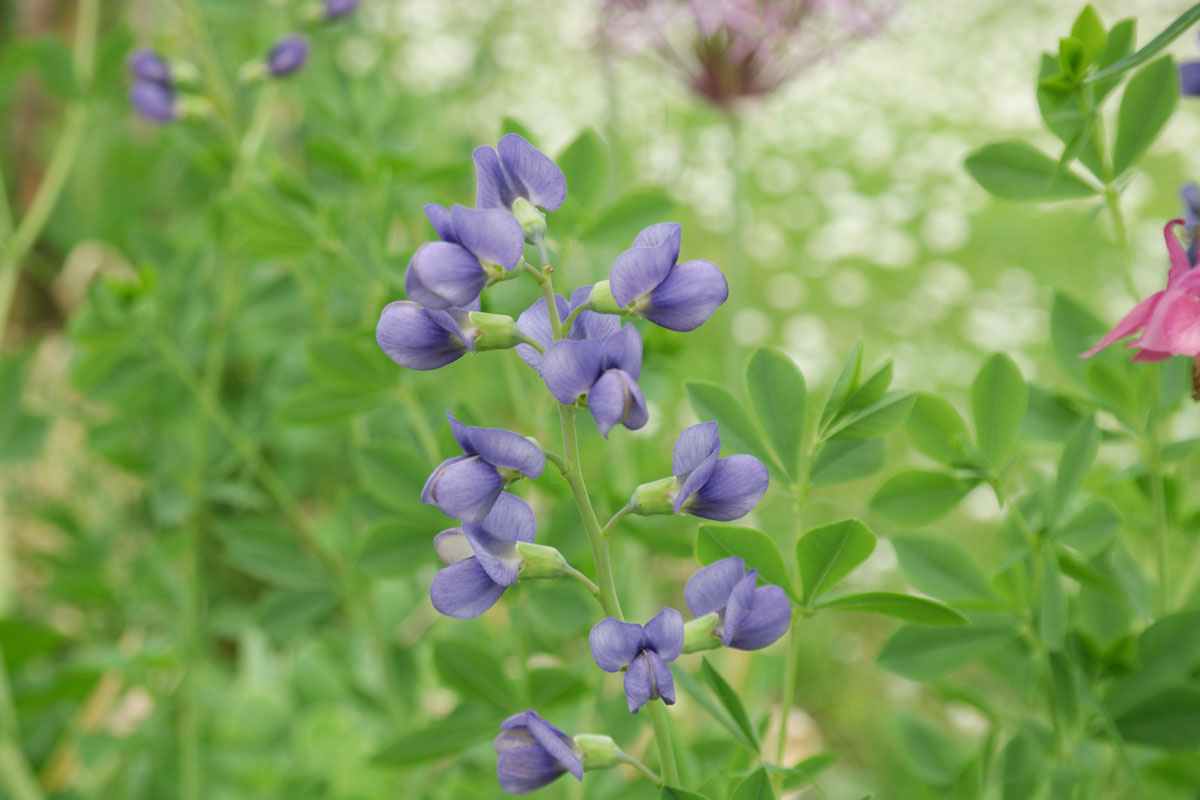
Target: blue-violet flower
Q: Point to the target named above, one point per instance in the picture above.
(605, 371)
(715, 488)
(482, 559)
(531, 753)
(477, 247)
(424, 338)
(289, 55)
(750, 618)
(515, 168)
(534, 322)
(335, 9)
(645, 650)
(153, 101)
(146, 65)
(647, 280)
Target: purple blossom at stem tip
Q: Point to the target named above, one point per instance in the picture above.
(422, 338)
(643, 651)
(289, 55)
(336, 9)
(647, 280)
(751, 617)
(515, 168)
(477, 246)
(146, 65)
(532, 753)
(153, 101)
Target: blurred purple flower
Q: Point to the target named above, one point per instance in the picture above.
(647, 280)
(423, 338)
(644, 650)
(1191, 219)
(531, 753)
(466, 487)
(751, 618)
(1189, 78)
(478, 246)
(153, 101)
(726, 50)
(481, 558)
(605, 371)
(534, 322)
(515, 168)
(715, 488)
(289, 55)
(335, 9)
(146, 65)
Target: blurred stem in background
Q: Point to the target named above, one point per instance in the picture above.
(738, 268)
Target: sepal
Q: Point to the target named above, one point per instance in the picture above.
(656, 497)
(701, 633)
(601, 301)
(533, 222)
(495, 331)
(540, 561)
(598, 751)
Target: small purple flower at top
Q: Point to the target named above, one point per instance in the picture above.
(153, 101)
(289, 55)
(750, 617)
(423, 338)
(466, 487)
(146, 65)
(647, 281)
(481, 558)
(605, 371)
(515, 168)
(534, 322)
(336, 9)
(478, 246)
(645, 650)
(531, 753)
(715, 488)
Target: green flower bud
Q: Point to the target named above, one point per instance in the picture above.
(601, 299)
(599, 751)
(495, 331)
(533, 222)
(656, 497)
(190, 106)
(700, 634)
(540, 561)
(184, 73)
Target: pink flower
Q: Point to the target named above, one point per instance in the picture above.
(1169, 320)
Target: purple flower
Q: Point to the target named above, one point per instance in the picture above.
(146, 65)
(722, 489)
(335, 9)
(644, 650)
(466, 487)
(287, 56)
(531, 753)
(422, 338)
(1191, 218)
(605, 371)
(751, 618)
(482, 559)
(515, 168)
(153, 101)
(1189, 78)
(534, 322)
(477, 247)
(646, 280)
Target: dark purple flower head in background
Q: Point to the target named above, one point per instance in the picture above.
(153, 101)
(751, 617)
(146, 65)
(531, 753)
(728, 50)
(534, 322)
(335, 9)
(481, 558)
(466, 487)
(289, 55)
(515, 168)
(423, 338)
(647, 280)
(645, 650)
(715, 488)
(478, 245)
(605, 371)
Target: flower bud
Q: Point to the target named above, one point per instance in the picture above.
(700, 633)
(598, 751)
(540, 561)
(601, 300)
(184, 72)
(656, 497)
(533, 222)
(495, 331)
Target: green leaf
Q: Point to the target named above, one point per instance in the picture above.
(1148, 102)
(396, 548)
(756, 787)
(737, 429)
(929, 754)
(999, 397)
(1169, 719)
(757, 549)
(870, 390)
(1016, 171)
(831, 552)
(936, 429)
(1025, 763)
(846, 381)
(915, 497)
(475, 673)
(354, 362)
(1052, 613)
(1078, 455)
(620, 222)
(697, 693)
(842, 460)
(672, 793)
(263, 549)
(729, 699)
(778, 394)
(1073, 330)
(585, 163)
(907, 607)
(445, 737)
(325, 405)
(550, 685)
(1168, 652)
(1088, 30)
(877, 419)
(1091, 529)
(285, 613)
(1182, 24)
(1121, 38)
(1084, 573)
(807, 770)
(941, 568)
(922, 654)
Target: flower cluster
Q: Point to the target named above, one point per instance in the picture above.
(587, 357)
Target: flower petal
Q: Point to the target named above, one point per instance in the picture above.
(623, 351)
(1174, 327)
(464, 590)
(614, 643)
(660, 673)
(1180, 265)
(662, 233)
(556, 743)
(1189, 78)
(511, 518)
(534, 322)
(570, 367)
(1133, 321)
(664, 634)
(492, 187)
(688, 297)
(412, 338)
(693, 446)
(439, 218)
(738, 606)
(611, 400)
(461, 433)
(532, 172)
(709, 588)
(498, 557)
(639, 685)
(637, 271)
(508, 450)
(490, 234)
(590, 324)
(438, 471)
(523, 765)
(452, 546)
(736, 485)
(152, 101)
(467, 489)
(768, 618)
(442, 274)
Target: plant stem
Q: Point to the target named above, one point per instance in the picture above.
(1157, 500)
(642, 768)
(612, 523)
(585, 580)
(15, 774)
(662, 738)
(1119, 230)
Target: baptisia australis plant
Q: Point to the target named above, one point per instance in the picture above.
(587, 357)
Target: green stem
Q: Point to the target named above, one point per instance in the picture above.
(662, 738)
(789, 690)
(1157, 500)
(16, 776)
(1119, 230)
(592, 588)
(612, 523)
(642, 768)
(215, 78)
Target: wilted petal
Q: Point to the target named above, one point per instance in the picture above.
(1133, 321)
(637, 271)
(660, 673)
(467, 489)
(664, 634)
(662, 233)
(623, 351)
(532, 173)
(614, 643)
(534, 322)
(688, 296)
(490, 234)
(452, 546)
(569, 368)
(439, 218)
(442, 274)
(464, 590)
(411, 337)
(508, 450)
(639, 684)
(1151, 355)
(736, 485)
(709, 588)
(492, 186)
(768, 618)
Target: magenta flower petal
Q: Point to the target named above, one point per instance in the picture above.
(464, 590)
(614, 643)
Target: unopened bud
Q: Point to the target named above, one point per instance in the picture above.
(598, 751)
(533, 222)
(601, 300)
(495, 331)
(540, 561)
(656, 497)
(700, 633)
